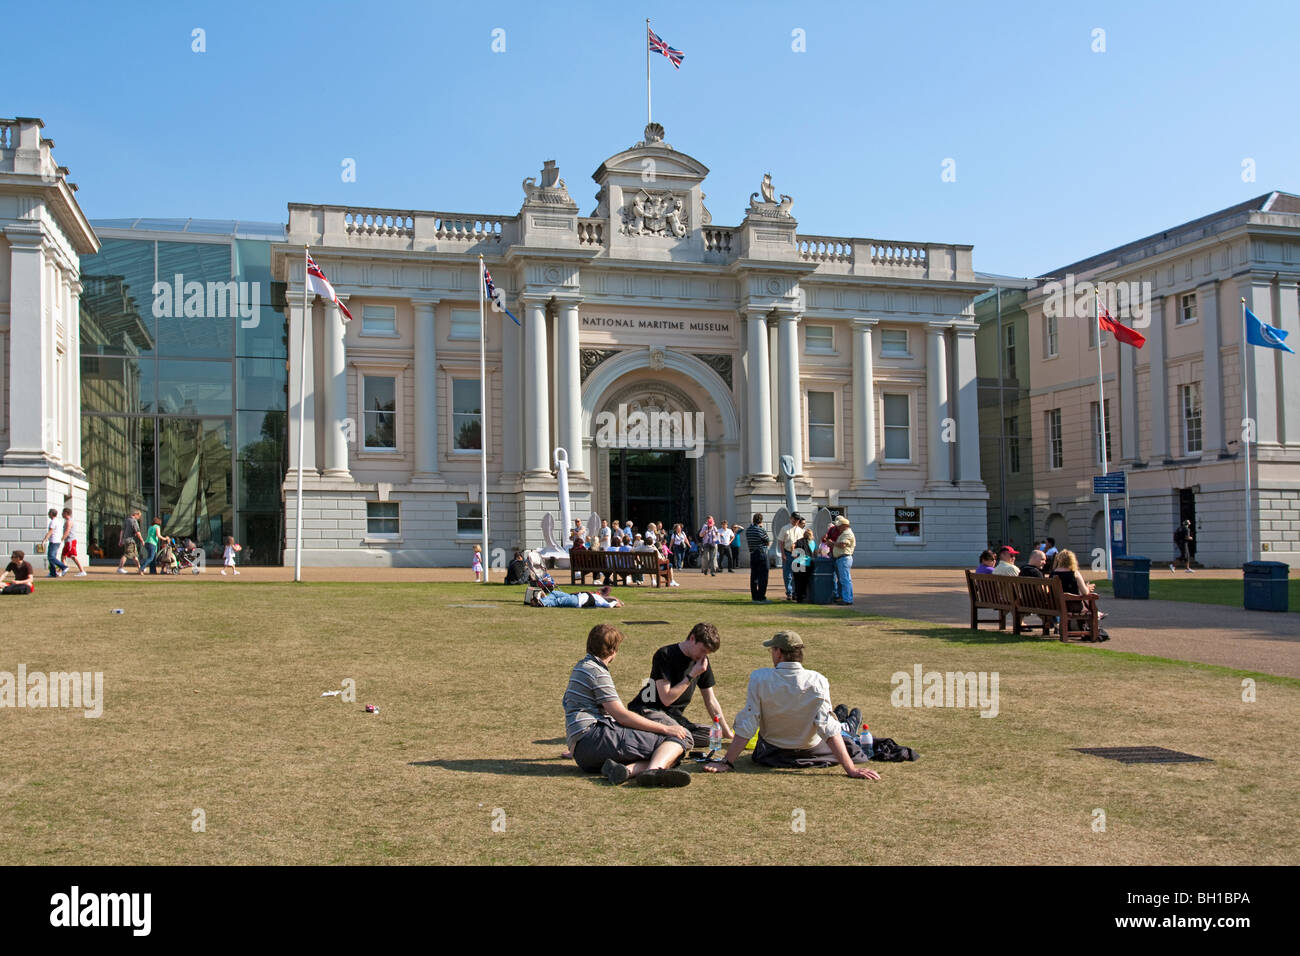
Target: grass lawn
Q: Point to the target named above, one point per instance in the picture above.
(212, 702)
(1197, 590)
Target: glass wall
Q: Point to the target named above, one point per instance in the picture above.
(183, 390)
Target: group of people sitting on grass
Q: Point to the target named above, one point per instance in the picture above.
(787, 708)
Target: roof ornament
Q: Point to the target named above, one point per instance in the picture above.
(768, 206)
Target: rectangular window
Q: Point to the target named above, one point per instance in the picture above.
(466, 415)
(379, 320)
(1012, 428)
(464, 324)
(1010, 370)
(894, 342)
(1186, 308)
(821, 425)
(1051, 337)
(469, 518)
(382, 519)
(1096, 432)
(1189, 399)
(819, 338)
(898, 437)
(1056, 455)
(907, 523)
(379, 405)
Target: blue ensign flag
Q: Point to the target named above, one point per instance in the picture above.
(1257, 333)
(496, 296)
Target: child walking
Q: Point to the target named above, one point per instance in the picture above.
(478, 563)
(228, 556)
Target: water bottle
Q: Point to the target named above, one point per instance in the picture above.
(866, 742)
(715, 739)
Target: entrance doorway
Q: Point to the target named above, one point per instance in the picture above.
(646, 485)
(1187, 512)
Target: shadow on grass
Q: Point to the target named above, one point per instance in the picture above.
(964, 635)
(510, 767)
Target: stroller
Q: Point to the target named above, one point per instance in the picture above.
(540, 582)
(188, 556)
(166, 560)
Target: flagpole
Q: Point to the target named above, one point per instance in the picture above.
(302, 401)
(1101, 437)
(647, 71)
(1247, 425)
(483, 417)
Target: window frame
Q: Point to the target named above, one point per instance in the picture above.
(907, 344)
(1185, 392)
(476, 534)
(1055, 443)
(452, 379)
(827, 349)
(1009, 350)
(378, 333)
(392, 368)
(884, 430)
(1011, 429)
(1095, 416)
(1052, 336)
(836, 417)
(373, 535)
(1181, 317)
(451, 324)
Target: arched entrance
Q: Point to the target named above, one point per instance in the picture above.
(661, 438)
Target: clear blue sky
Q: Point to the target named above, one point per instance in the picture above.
(1060, 152)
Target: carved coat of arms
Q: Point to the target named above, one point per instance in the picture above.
(655, 214)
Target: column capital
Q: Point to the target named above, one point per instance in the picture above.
(938, 327)
(965, 331)
(420, 299)
(785, 314)
(863, 324)
(572, 300)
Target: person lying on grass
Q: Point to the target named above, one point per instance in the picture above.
(604, 736)
(790, 708)
(557, 598)
(675, 671)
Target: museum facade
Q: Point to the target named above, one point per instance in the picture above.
(675, 360)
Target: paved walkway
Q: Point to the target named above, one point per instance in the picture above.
(1206, 633)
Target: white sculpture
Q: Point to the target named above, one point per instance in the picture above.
(558, 551)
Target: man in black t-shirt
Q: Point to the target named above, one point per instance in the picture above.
(20, 569)
(675, 671)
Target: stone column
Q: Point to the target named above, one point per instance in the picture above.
(72, 327)
(1288, 319)
(864, 405)
(1262, 380)
(1128, 403)
(1159, 382)
(300, 317)
(512, 384)
(537, 403)
(791, 399)
(568, 385)
(334, 394)
(936, 381)
(774, 396)
(759, 415)
(426, 389)
(31, 357)
(1212, 436)
(968, 422)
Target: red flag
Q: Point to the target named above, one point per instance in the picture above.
(1122, 332)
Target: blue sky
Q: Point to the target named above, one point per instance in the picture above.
(1059, 151)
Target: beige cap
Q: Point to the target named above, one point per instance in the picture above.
(785, 640)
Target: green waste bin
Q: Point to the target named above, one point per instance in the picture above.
(1265, 585)
(821, 589)
(1132, 577)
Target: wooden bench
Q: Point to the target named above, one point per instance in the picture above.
(613, 564)
(1022, 597)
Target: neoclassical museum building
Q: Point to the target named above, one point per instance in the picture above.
(746, 343)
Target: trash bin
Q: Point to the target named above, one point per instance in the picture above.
(1265, 585)
(821, 590)
(1132, 577)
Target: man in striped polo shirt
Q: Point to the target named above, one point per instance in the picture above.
(758, 541)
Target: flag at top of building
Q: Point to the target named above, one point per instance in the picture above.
(496, 296)
(1119, 330)
(1268, 336)
(659, 46)
(316, 282)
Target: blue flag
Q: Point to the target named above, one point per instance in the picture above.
(1257, 333)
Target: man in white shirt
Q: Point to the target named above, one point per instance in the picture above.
(790, 535)
(604, 534)
(54, 537)
(725, 537)
(1006, 566)
(790, 708)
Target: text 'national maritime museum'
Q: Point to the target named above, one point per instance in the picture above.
(675, 360)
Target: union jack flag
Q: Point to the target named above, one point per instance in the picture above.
(496, 296)
(659, 46)
(316, 282)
